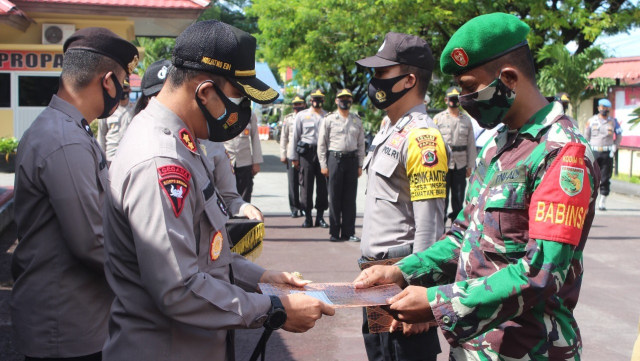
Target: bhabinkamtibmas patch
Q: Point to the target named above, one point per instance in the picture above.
(174, 181)
(560, 204)
(427, 164)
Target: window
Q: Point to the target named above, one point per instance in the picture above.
(5, 90)
(36, 91)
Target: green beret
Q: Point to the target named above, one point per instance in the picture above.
(482, 39)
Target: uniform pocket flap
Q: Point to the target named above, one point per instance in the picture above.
(507, 195)
(384, 166)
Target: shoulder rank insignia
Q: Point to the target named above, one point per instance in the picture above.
(174, 181)
(187, 140)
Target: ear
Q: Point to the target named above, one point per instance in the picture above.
(510, 77)
(204, 91)
(411, 81)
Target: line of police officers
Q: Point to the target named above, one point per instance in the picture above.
(164, 250)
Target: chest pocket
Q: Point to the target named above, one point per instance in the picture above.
(463, 133)
(505, 224)
(384, 167)
(214, 240)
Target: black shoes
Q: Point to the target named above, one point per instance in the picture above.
(321, 223)
(296, 214)
(335, 239)
(307, 223)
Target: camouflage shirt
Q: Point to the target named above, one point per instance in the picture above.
(504, 281)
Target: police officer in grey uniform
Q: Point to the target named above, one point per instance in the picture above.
(178, 286)
(286, 138)
(341, 152)
(457, 132)
(604, 134)
(60, 299)
(111, 129)
(246, 155)
(304, 153)
(406, 166)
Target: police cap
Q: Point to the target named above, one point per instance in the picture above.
(453, 92)
(154, 77)
(297, 99)
(399, 48)
(218, 48)
(317, 94)
(344, 93)
(105, 42)
(482, 39)
(604, 103)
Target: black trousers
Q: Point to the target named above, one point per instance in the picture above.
(605, 162)
(294, 187)
(310, 173)
(456, 184)
(343, 187)
(93, 357)
(244, 182)
(395, 346)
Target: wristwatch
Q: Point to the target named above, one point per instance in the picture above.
(277, 316)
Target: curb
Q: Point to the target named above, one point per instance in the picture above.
(626, 188)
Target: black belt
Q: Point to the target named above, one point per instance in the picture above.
(458, 148)
(339, 155)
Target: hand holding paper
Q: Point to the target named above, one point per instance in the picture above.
(411, 305)
(379, 275)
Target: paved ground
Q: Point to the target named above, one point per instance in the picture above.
(607, 313)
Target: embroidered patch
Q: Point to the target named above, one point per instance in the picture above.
(187, 140)
(216, 246)
(571, 179)
(233, 119)
(429, 158)
(174, 181)
(560, 204)
(387, 150)
(396, 141)
(245, 132)
(460, 57)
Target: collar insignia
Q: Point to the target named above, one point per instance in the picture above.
(187, 140)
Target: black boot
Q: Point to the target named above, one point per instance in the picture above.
(308, 222)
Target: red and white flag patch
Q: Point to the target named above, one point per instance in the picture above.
(174, 181)
(560, 204)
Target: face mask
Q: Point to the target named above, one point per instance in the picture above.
(109, 102)
(603, 112)
(452, 103)
(344, 104)
(232, 122)
(381, 94)
(317, 103)
(297, 108)
(488, 106)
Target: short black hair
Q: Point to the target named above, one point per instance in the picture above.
(521, 58)
(423, 77)
(79, 68)
(178, 76)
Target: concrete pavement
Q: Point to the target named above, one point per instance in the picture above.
(607, 312)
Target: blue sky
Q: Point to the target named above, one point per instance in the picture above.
(621, 45)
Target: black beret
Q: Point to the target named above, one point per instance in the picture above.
(105, 42)
(215, 47)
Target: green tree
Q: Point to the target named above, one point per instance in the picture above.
(154, 49)
(570, 73)
(323, 38)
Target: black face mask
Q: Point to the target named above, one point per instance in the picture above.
(297, 108)
(317, 103)
(109, 102)
(453, 103)
(232, 122)
(380, 91)
(344, 104)
(565, 106)
(603, 112)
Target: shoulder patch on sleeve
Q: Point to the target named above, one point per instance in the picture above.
(174, 181)
(427, 164)
(560, 204)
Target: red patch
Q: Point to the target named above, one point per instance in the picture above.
(460, 57)
(187, 140)
(174, 181)
(560, 204)
(246, 132)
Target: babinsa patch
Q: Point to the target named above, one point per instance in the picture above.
(571, 179)
(174, 181)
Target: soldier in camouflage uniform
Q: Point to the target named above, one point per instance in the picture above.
(504, 281)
